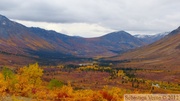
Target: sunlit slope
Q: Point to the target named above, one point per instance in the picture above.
(163, 53)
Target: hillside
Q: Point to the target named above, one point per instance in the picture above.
(163, 54)
(36, 43)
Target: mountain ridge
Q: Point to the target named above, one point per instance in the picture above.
(163, 54)
(38, 43)
(148, 39)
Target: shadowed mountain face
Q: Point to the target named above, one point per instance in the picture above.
(19, 40)
(119, 42)
(108, 45)
(163, 53)
(176, 31)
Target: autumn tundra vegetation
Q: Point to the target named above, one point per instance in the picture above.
(97, 83)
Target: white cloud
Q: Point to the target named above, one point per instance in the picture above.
(72, 29)
(141, 16)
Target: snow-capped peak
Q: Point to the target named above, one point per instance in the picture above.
(156, 35)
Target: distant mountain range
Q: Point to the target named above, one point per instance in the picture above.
(163, 54)
(151, 38)
(26, 44)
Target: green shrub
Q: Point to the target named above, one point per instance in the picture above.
(7, 73)
(55, 84)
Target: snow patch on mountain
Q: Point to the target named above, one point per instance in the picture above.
(151, 38)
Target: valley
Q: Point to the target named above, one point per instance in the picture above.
(35, 62)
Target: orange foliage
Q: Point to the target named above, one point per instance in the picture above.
(27, 82)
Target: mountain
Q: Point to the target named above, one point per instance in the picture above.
(34, 44)
(151, 38)
(90, 47)
(163, 54)
(19, 39)
(118, 42)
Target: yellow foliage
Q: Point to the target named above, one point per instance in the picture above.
(28, 78)
(32, 74)
(120, 73)
(3, 84)
(27, 83)
(94, 68)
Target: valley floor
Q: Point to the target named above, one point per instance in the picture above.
(81, 83)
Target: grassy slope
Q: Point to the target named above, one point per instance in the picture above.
(163, 53)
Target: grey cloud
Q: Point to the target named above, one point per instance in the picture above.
(132, 15)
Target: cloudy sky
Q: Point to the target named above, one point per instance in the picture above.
(91, 18)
